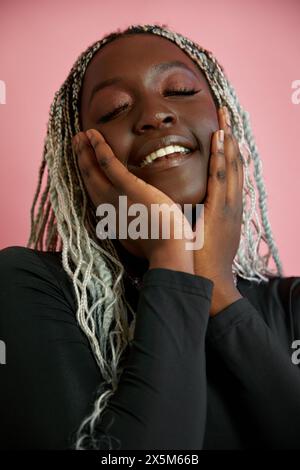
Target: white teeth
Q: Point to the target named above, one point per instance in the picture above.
(164, 151)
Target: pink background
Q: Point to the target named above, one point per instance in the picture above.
(257, 42)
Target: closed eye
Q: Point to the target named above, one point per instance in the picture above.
(181, 91)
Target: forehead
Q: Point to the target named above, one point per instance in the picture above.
(135, 54)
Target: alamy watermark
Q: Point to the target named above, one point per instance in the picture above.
(296, 354)
(296, 94)
(159, 226)
(2, 352)
(2, 92)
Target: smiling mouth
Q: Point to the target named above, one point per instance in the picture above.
(166, 157)
(167, 161)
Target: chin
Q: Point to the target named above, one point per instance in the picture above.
(188, 198)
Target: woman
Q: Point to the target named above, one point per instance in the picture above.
(142, 344)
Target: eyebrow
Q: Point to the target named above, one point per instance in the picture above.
(158, 68)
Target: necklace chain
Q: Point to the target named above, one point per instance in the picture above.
(136, 281)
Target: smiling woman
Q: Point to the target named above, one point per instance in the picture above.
(134, 343)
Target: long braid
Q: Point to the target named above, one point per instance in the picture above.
(68, 220)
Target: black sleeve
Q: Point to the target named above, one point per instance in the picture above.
(160, 402)
(267, 382)
(49, 380)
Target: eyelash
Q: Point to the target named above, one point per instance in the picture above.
(180, 91)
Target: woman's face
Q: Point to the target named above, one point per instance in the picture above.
(150, 111)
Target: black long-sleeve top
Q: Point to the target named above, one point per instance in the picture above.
(190, 381)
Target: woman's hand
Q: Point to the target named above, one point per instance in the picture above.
(106, 178)
(223, 210)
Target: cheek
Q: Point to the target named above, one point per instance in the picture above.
(205, 122)
(119, 142)
(205, 135)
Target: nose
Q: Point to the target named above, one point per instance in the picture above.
(154, 115)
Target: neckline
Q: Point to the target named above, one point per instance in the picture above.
(134, 266)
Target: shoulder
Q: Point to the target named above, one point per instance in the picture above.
(25, 270)
(14, 257)
(277, 301)
(19, 262)
(280, 290)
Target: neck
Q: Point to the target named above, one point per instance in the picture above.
(134, 265)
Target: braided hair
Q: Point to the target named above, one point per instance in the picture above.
(64, 221)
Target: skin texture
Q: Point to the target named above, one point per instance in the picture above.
(213, 175)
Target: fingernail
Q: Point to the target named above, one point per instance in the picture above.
(220, 140)
(89, 135)
(227, 116)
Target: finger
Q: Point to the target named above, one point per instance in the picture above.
(242, 160)
(237, 162)
(232, 155)
(121, 178)
(241, 181)
(98, 186)
(217, 172)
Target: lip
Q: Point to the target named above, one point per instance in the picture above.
(156, 144)
(160, 164)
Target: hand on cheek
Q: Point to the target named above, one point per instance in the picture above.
(223, 210)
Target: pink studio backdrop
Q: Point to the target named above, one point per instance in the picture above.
(257, 42)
